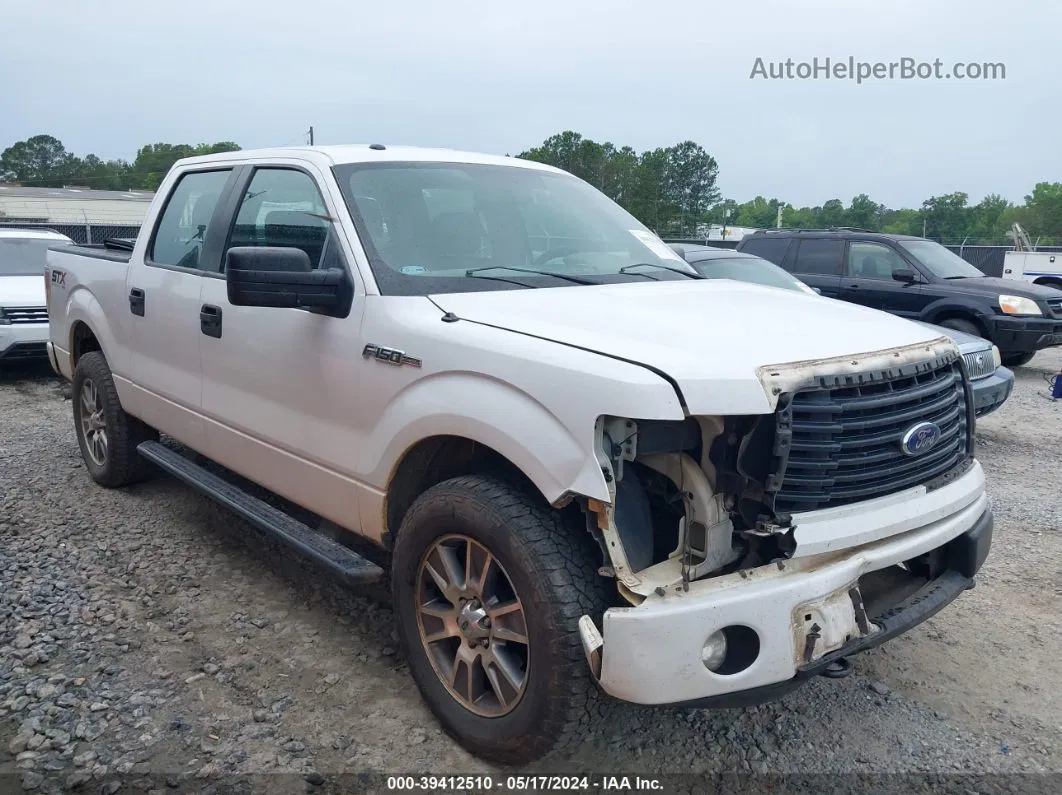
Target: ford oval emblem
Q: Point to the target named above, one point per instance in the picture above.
(920, 438)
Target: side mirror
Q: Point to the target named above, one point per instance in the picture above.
(905, 275)
(817, 290)
(271, 276)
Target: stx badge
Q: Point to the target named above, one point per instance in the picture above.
(389, 356)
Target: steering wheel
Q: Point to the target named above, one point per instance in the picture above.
(557, 253)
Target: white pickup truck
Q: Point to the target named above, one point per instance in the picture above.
(586, 471)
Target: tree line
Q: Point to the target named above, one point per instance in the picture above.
(672, 190)
(42, 161)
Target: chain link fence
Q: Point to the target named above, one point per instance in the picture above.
(79, 233)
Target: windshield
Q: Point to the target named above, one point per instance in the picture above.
(24, 256)
(750, 269)
(938, 260)
(457, 227)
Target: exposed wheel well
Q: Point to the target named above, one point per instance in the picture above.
(960, 314)
(82, 341)
(440, 458)
(1048, 281)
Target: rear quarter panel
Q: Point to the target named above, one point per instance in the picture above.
(86, 290)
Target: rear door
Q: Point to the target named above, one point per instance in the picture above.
(868, 280)
(161, 307)
(817, 261)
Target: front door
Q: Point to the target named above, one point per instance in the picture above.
(277, 382)
(868, 280)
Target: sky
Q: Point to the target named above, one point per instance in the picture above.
(109, 76)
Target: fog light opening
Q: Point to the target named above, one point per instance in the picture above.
(730, 650)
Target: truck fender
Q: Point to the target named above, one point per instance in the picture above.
(493, 413)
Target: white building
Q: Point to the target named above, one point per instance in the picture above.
(72, 205)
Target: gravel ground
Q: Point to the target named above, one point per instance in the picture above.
(150, 641)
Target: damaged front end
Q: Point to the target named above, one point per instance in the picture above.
(763, 534)
(710, 495)
(690, 499)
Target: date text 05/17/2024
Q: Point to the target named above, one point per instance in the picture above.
(521, 783)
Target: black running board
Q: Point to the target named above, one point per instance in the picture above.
(344, 562)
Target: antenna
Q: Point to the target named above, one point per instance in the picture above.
(310, 133)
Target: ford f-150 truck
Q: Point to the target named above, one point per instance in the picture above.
(582, 470)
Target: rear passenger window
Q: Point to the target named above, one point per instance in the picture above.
(770, 248)
(283, 207)
(183, 227)
(821, 257)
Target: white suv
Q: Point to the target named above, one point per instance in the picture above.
(23, 314)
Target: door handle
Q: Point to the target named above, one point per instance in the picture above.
(210, 320)
(136, 301)
(853, 286)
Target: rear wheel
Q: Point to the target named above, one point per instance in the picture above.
(1017, 359)
(965, 326)
(488, 588)
(107, 436)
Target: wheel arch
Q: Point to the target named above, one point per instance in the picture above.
(953, 312)
(82, 340)
(441, 457)
(1049, 281)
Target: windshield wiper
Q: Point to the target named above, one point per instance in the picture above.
(573, 279)
(691, 274)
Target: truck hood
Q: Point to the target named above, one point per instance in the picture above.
(22, 290)
(992, 285)
(714, 339)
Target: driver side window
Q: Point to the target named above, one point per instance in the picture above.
(283, 207)
(873, 261)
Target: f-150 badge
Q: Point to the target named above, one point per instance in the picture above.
(389, 356)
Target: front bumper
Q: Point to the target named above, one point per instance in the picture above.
(990, 392)
(803, 613)
(23, 341)
(1025, 334)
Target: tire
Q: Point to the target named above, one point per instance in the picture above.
(965, 326)
(551, 571)
(97, 410)
(1017, 359)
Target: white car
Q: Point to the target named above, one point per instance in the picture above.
(584, 467)
(23, 315)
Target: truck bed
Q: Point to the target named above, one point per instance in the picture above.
(115, 250)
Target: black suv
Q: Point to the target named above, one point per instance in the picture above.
(917, 279)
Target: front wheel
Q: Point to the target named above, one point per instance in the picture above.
(1017, 359)
(107, 436)
(488, 588)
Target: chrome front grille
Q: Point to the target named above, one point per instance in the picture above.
(25, 314)
(979, 364)
(845, 438)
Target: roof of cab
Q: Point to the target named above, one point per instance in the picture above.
(369, 153)
(30, 234)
